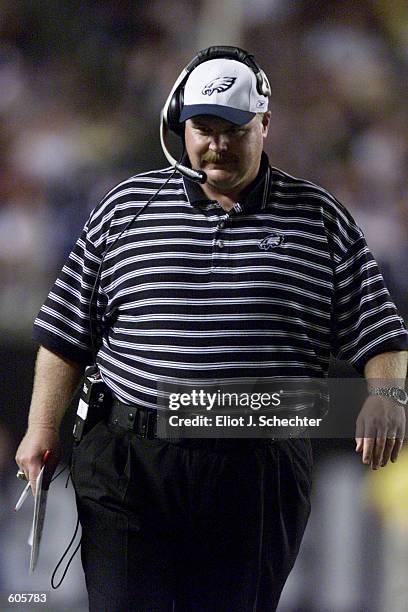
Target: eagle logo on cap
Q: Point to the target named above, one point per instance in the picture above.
(219, 84)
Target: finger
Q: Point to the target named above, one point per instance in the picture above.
(378, 451)
(21, 468)
(389, 445)
(33, 472)
(360, 429)
(51, 465)
(33, 485)
(396, 449)
(368, 446)
(359, 444)
(21, 463)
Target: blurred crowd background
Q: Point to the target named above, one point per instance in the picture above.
(81, 88)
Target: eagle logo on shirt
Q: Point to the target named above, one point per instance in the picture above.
(219, 84)
(271, 242)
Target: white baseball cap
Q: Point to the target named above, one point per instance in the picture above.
(225, 88)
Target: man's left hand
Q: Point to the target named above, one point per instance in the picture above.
(380, 431)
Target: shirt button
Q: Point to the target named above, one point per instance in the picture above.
(220, 244)
(221, 225)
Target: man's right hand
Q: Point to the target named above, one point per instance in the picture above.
(29, 456)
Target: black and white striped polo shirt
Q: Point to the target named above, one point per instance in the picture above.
(191, 291)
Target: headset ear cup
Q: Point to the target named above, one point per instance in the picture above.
(174, 111)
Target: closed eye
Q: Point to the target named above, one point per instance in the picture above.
(235, 132)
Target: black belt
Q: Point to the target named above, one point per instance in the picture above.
(143, 421)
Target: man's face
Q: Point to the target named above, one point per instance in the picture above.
(229, 154)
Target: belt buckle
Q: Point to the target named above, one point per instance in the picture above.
(150, 424)
(146, 421)
(142, 422)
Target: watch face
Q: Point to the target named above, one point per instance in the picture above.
(400, 395)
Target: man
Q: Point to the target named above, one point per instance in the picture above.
(255, 274)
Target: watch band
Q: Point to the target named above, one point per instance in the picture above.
(398, 394)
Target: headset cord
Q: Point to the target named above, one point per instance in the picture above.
(73, 537)
(128, 226)
(98, 274)
(56, 586)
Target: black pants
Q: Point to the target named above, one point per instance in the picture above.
(201, 525)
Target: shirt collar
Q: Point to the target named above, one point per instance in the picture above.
(251, 199)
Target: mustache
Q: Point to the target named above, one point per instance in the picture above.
(215, 158)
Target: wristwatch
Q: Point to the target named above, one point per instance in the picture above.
(395, 393)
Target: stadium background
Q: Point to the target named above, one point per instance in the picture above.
(81, 87)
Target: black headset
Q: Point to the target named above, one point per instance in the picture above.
(170, 114)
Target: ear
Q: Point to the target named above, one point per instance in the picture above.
(265, 123)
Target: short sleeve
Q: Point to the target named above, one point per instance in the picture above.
(63, 324)
(365, 321)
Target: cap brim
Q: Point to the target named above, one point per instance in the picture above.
(234, 115)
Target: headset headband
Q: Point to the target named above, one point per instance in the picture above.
(237, 54)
